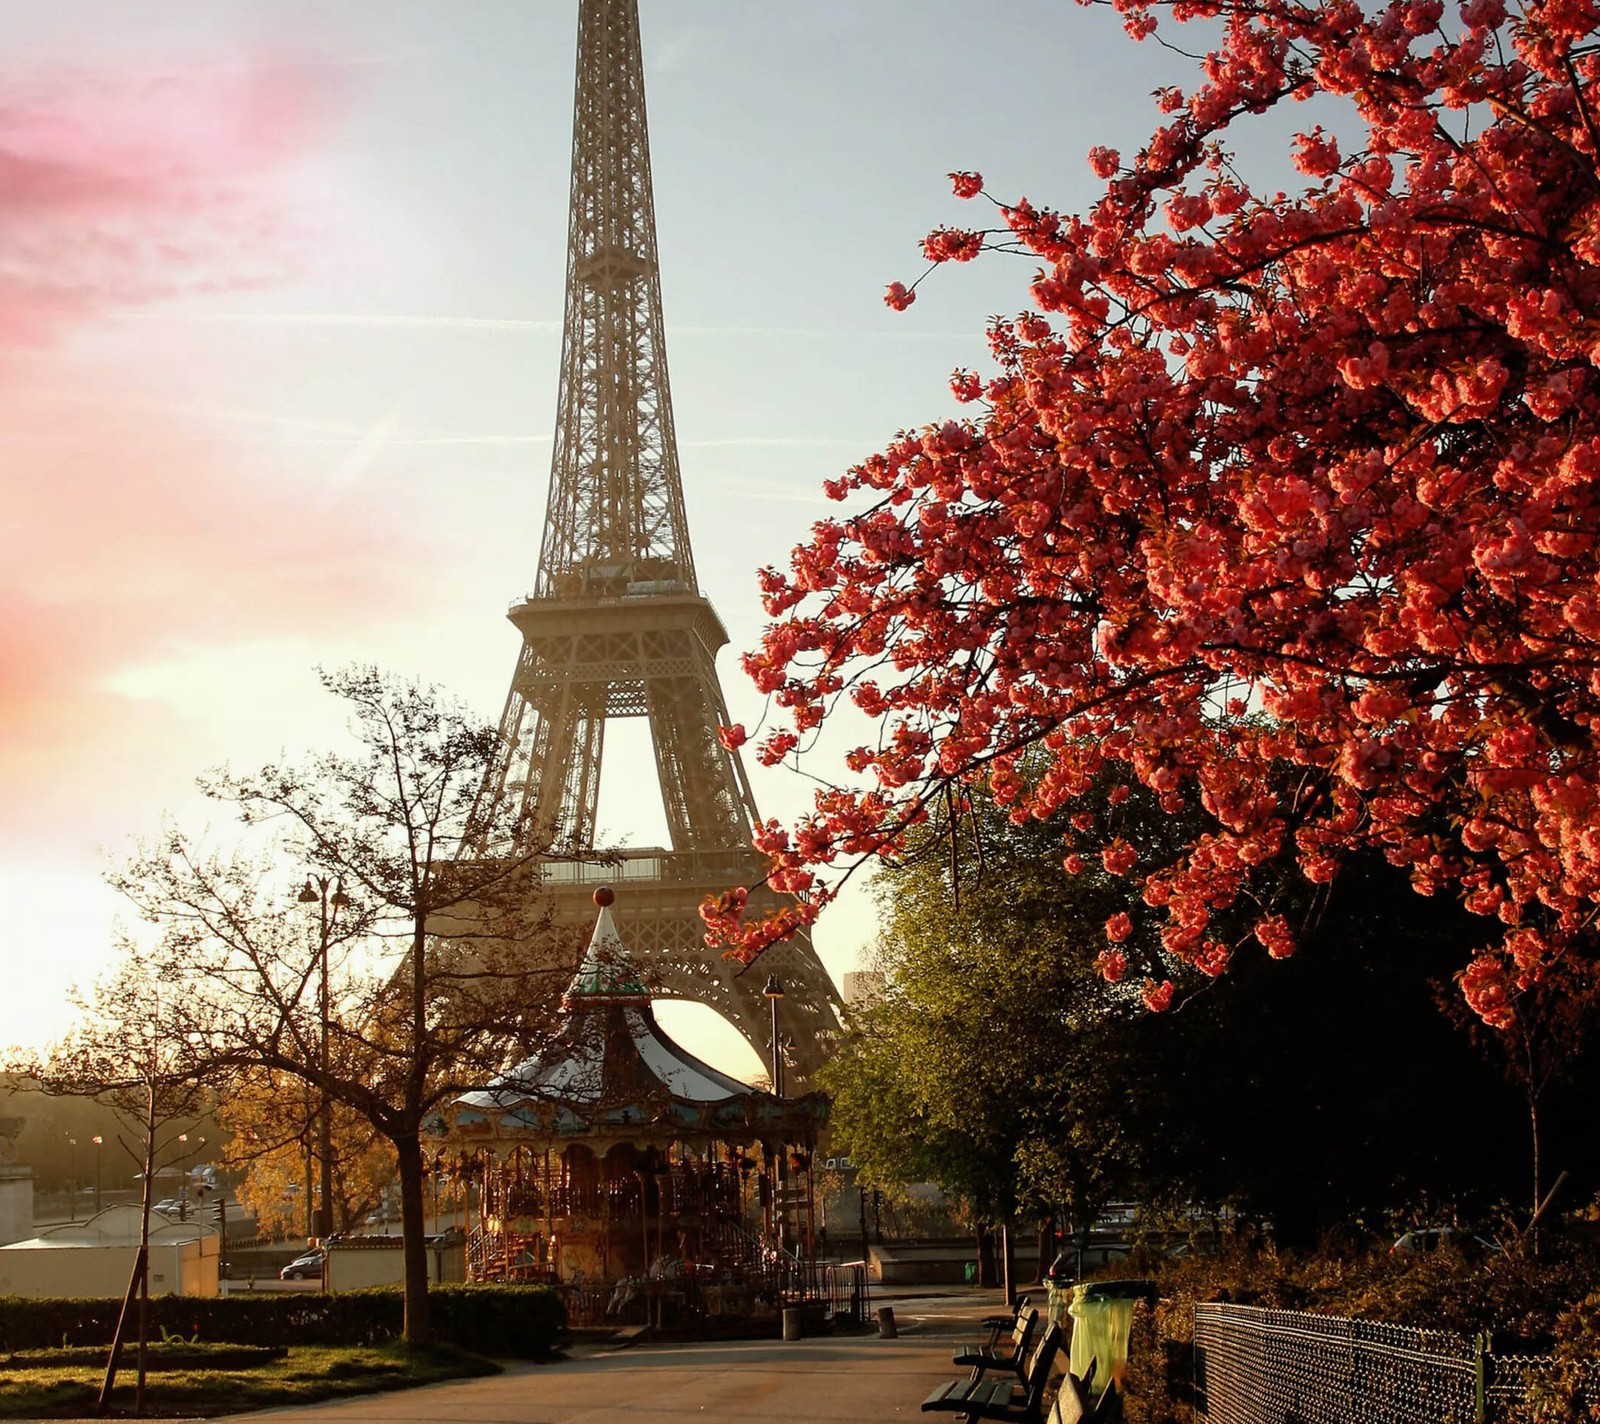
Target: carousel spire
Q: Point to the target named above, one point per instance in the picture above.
(607, 975)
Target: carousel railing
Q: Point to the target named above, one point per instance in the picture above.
(840, 1287)
(495, 1256)
(749, 1279)
(680, 1192)
(480, 1253)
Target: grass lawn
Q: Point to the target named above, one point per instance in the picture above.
(54, 1390)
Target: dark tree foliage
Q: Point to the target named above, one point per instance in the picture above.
(1320, 1089)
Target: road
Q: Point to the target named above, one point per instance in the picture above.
(828, 1380)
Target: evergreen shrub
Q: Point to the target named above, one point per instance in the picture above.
(510, 1321)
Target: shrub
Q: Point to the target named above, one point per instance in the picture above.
(504, 1321)
(1526, 1305)
(1570, 1391)
(519, 1322)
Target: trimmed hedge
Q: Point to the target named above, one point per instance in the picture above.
(513, 1322)
(161, 1356)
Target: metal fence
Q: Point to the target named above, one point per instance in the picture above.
(833, 1294)
(1287, 1367)
(844, 1288)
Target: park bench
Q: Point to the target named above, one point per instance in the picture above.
(999, 1326)
(1004, 1399)
(1011, 1357)
(1075, 1405)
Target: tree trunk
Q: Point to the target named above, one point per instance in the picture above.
(144, 1245)
(1533, 1132)
(415, 1249)
(987, 1276)
(1008, 1262)
(1538, 1199)
(138, 1282)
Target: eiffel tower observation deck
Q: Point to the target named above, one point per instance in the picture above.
(616, 625)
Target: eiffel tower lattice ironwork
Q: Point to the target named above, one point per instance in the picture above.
(616, 625)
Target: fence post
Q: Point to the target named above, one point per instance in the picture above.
(1480, 1362)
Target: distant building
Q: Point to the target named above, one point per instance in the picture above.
(95, 1257)
(862, 987)
(359, 1262)
(16, 1202)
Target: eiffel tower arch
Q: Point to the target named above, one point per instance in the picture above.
(616, 625)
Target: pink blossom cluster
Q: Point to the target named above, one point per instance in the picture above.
(1337, 450)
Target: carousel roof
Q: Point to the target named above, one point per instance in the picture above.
(611, 1064)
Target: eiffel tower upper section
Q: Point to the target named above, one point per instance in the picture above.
(615, 514)
(616, 625)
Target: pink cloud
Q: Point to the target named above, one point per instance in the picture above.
(122, 190)
(126, 536)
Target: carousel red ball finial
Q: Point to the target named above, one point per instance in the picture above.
(604, 896)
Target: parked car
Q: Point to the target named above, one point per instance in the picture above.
(1435, 1238)
(302, 1268)
(171, 1206)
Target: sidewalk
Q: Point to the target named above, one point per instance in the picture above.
(829, 1380)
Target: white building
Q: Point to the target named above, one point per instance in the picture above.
(95, 1257)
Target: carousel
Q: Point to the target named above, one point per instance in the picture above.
(648, 1186)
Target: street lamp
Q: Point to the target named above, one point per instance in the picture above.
(315, 892)
(773, 992)
(99, 1142)
(72, 1181)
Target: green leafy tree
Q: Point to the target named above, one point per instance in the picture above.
(997, 1064)
(1001, 1066)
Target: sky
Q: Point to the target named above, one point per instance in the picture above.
(280, 297)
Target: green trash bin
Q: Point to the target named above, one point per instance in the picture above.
(971, 1272)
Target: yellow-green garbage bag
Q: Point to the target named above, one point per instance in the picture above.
(1102, 1323)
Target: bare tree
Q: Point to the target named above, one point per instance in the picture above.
(135, 1050)
(438, 967)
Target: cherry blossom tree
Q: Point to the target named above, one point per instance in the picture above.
(1285, 505)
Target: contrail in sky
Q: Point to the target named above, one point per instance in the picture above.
(358, 459)
(380, 321)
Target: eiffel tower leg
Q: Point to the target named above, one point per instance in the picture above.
(555, 748)
(707, 799)
(659, 916)
(582, 787)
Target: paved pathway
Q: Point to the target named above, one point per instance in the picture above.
(828, 1380)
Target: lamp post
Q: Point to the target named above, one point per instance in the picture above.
(773, 991)
(183, 1176)
(99, 1142)
(316, 892)
(72, 1181)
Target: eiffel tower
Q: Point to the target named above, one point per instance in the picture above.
(616, 625)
